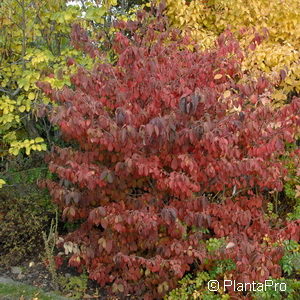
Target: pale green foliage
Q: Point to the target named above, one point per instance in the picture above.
(290, 262)
(76, 286)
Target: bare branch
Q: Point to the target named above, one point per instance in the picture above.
(10, 93)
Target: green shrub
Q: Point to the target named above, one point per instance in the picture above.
(292, 182)
(290, 262)
(292, 291)
(196, 287)
(75, 286)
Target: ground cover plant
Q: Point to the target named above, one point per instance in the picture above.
(171, 151)
(16, 291)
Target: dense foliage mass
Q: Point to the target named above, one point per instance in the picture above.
(270, 27)
(23, 218)
(172, 150)
(35, 45)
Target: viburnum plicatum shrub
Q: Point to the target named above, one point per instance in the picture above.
(171, 151)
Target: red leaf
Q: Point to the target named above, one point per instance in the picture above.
(104, 223)
(109, 245)
(174, 164)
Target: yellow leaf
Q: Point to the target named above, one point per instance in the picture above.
(44, 147)
(227, 94)
(68, 16)
(39, 140)
(27, 150)
(278, 95)
(31, 96)
(2, 182)
(14, 151)
(14, 143)
(218, 76)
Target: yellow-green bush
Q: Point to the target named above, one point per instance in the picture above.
(205, 20)
(34, 45)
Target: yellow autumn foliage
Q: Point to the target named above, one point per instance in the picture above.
(206, 19)
(34, 46)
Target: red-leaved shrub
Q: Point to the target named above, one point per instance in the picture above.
(168, 140)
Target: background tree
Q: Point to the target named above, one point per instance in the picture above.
(272, 28)
(35, 45)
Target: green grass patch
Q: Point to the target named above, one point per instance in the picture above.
(11, 291)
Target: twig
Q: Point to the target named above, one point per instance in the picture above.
(50, 242)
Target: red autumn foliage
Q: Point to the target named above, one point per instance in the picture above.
(160, 151)
(58, 261)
